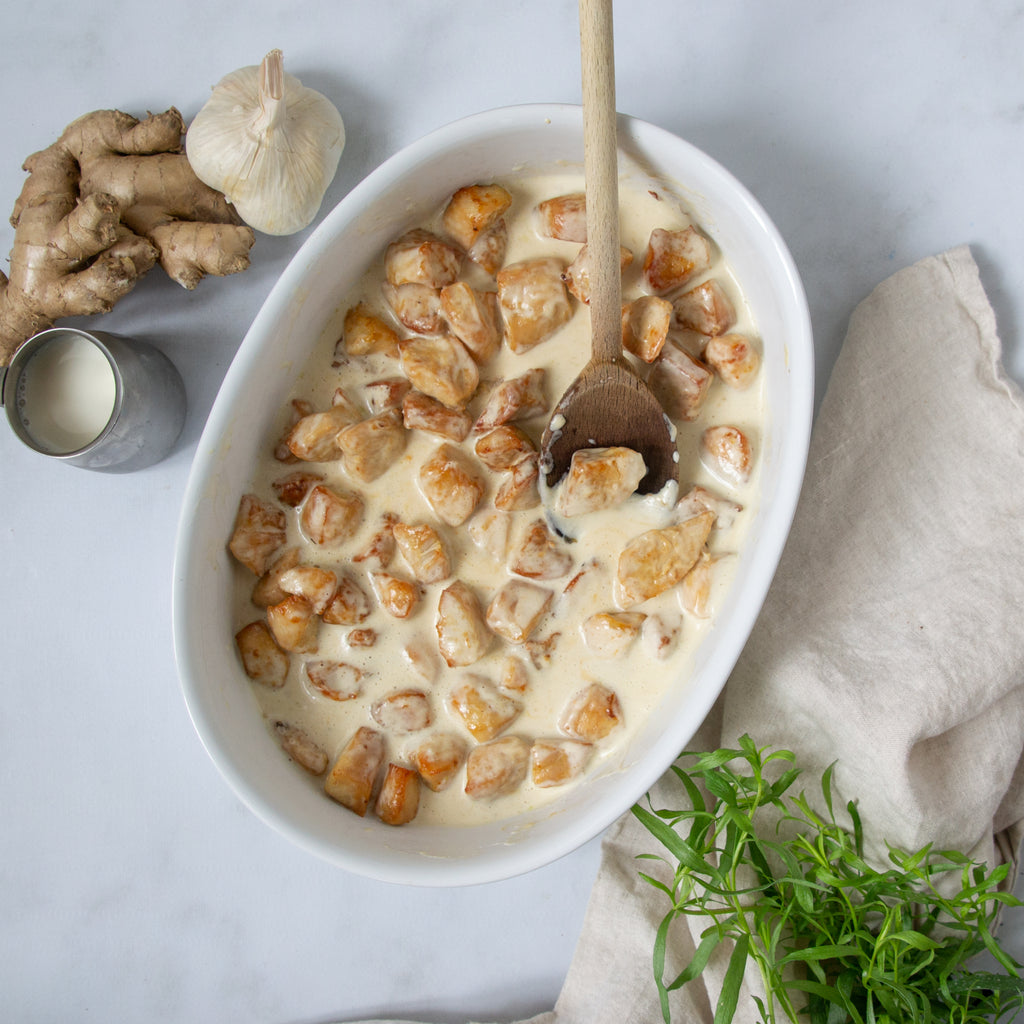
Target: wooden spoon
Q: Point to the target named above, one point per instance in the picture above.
(608, 404)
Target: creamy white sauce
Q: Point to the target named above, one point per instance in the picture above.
(639, 680)
(66, 394)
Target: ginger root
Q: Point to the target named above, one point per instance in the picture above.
(111, 197)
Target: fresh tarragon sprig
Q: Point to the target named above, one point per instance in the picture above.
(834, 939)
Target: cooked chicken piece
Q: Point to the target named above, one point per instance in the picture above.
(591, 714)
(388, 393)
(659, 559)
(422, 659)
(516, 399)
(268, 586)
(399, 798)
(462, 633)
(480, 706)
(488, 251)
(658, 636)
(260, 530)
(533, 301)
(264, 662)
(497, 767)
(564, 217)
(514, 678)
(316, 585)
(474, 210)
(726, 453)
(705, 308)
(419, 257)
(734, 359)
(341, 398)
(348, 605)
(372, 446)
(361, 637)
(335, 680)
(599, 478)
(679, 382)
(381, 547)
(489, 532)
(699, 499)
(296, 627)
(440, 367)
(403, 711)
(539, 555)
(674, 257)
(541, 651)
(300, 407)
(363, 332)
(504, 446)
(645, 324)
(556, 762)
(472, 317)
(697, 591)
(438, 758)
(327, 517)
(576, 276)
(452, 487)
(610, 634)
(421, 412)
(301, 748)
(424, 552)
(352, 778)
(516, 609)
(293, 488)
(417, 306)
(397, 597)
(312, 439)
(518, 489)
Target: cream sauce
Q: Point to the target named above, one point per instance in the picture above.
(639, 680)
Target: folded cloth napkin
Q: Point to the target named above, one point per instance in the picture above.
(890, 641)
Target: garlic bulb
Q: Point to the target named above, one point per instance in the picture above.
(269, 144)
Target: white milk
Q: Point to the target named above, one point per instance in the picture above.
(66, 394)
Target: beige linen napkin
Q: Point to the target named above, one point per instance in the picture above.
(891, 639)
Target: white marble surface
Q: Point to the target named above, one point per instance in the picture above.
(133, 885)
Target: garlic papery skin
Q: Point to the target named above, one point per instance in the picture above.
(269, 144)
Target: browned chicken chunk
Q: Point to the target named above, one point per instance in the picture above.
(348, 605)
(472, 317)
(504, 446)
(364, 332)
(328, 517)
(539, 555)
(315, 584)
(610, 634)
(438, 758)
(591, 714)
(645, 325)
(705, 308)
(399, 798)
(679, 382)
(313, 438)
(556, 762)
(441, 368)
(482, 708)
(474, 210)
(397, 597)
(296, 627)
(452, 487)
(659, 559)
(516, 609)
(419, 257)
(301, 748)
(734, 359)
(726, 451)
(462, 633)
(563, 217)
(263, 660)
(335, 680)
(260, 530)
(516, 399)
(599, 478)
(403, 711)
(421, 412)
(372, 446)
(577, 275)
(533, 301)
(352, 778)
(497, 767)
(674, 257)
(417, 306)
(292, 489)
(424, 552)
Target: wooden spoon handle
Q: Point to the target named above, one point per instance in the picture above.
(600, 165)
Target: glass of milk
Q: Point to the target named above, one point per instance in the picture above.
(94, 400)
